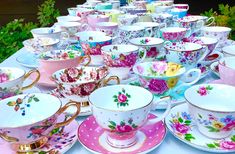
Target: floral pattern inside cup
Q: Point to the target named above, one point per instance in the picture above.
(60, 55)
(5, 76)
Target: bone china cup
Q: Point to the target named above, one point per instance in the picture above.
(120, 59)
(11, 80)
(213, 108)
(92, 42)
(173, 33)
(229, 51)
(55, 60)
(110, 28)
(68, 19)
(227, 70)
(121, 110)
(79, 82)
(54, 33)
(160, 77)
(186, 54)
(27, 119)
(94, 19)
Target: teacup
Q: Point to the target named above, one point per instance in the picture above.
(103, 6)
(127, 19)
(220, 33)
(12, 79)
(229, 51)
(160, 77)
(92, 42)
(179, 13)
(55, 60)
(39, 45)
(120, 59)
(68, 19)
(126, 33)
(174, 34)
(184, 53)
(144, 17)
(213, 109)
(151, 27)
(227, 70)
(24, 125)
(126, 9)
(72, 11)
(54, 33)
(125, 111)
(137, 11)
(93, 3)
(115, 4)
(110, 28)
(181, 6)
(94, 19)
(162, 9)
(207, 21)
(140, 4)
(163, 18)
(113, 14)
(151, 45)
(77, 83)
(83, 13)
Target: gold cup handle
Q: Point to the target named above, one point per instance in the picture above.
(72, 103)
(34, 82)
(111, 78)
(8, 138)
(85, 57)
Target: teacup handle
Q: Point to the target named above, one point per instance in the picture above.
(199, 24)
(77, 105)
(105, 82)
(198, 71)
(144, 56)
(149, 31)
(85, 27)
(85, 57)
(65, 35)
(34, 82)
(212, 19)
(160, 118)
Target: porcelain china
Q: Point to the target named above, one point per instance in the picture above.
(120, 59)
(215, 68)
(24, 124)
(68, 19)
(51, 32)
(151, 45)
(213, 118)
(29, 60)
(161, 77)
(227, 70)
(179, 13)
(151, 27)
(181, 124)
(93, 19)
(127, 19)
(229, 51)
(110, 28)
(163, 18)
(103, 6)
(207, 21)
(83, 13)
(117, 112)
(60, 140)
(148, 137)
(72, 11)
(12, 79)
(174, 34)
(181, 6)
(91, 43)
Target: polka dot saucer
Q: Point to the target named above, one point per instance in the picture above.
(93, 137)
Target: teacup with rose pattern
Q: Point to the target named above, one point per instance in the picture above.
(174, 34)
(213, 109)
(160, 77)
(121, 110)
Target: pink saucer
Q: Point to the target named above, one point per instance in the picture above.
(44, 79)
(93, 137)
(59, 142)
(218, 81)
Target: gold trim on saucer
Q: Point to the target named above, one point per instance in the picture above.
(82, 104)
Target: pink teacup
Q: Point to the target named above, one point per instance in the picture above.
(83, 13)
(181, 6)
(174, 33)
(227, 70)
(110, 28)
(94, 19)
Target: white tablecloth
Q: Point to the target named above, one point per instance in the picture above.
(170, 145)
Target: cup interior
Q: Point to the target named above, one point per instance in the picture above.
(131, 28)
(125, 49)
(229, 50)
(207, 40)
(107, 24)
(68, 18)
(29, 109)
(45, 30)
(146, 41)
(56, 55)
(212, 97)
(69, 24)
(9, 74)
(183, 47)
(116, 93)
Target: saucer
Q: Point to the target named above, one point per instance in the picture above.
(61, 140)
(177, 97)
(180, 123)
(29, 60)
(93, 137)
(44, 79)
(215, 69)
(85, 111)
(131, 77)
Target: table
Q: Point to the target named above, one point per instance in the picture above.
(170, 145)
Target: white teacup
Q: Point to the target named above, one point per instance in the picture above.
(68, 19)
(213, 109)
(51, 32)
(122, 111)
(229, 51)
(151, 27)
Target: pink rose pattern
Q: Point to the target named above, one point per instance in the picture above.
(152, 52)
(203, 91)
(122, 98)
(121, 61)
(160, 67)
(158, 86)
(4, 77)
(173, 36)
(93, 48)
(123, 127)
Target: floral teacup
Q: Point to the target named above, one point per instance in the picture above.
(79, 82)
(54, 33)
(184, 53)
(11, 81)
(151, 45)
(207, 21)
(83, 13)
(213, 111)
(151, 27)
(161, 77)
(110, 28)
(127, 19)
(227, 70)
(125, 111)
(120, 59)
(94, 19)
(163, 18)
(30, 118)
(174, 33)
(91, 42)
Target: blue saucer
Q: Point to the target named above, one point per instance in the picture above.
(29, 60)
